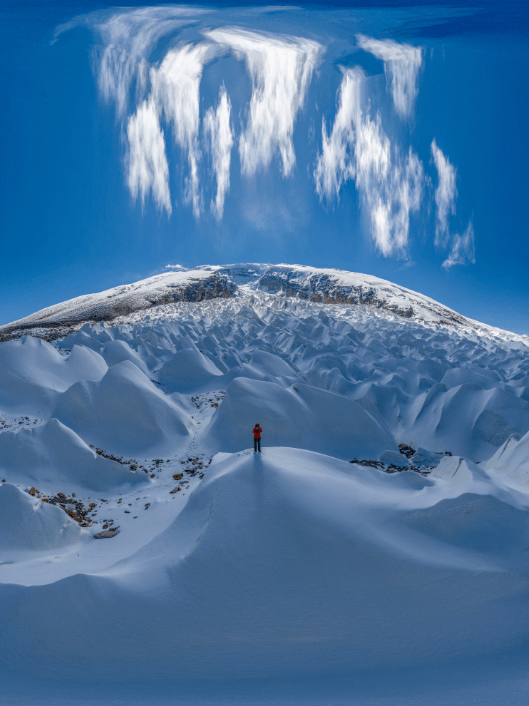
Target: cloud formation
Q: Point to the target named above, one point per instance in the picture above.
(280, 69)
(462, 250)
(402, 63)
(155, 80)
(147, 167)
(218, 131)
(175, 90)
(128, 37)
(461, 247)
(357, 147)
(445, 195)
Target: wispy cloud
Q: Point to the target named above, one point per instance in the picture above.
(462, 250)
(174, 95)
(155, 84)
(280, 69)
(218, 131)
(390, 184)
(445, 195)
(127, 39)
(147, 168)
(336, 163)
(175, 90)
(461, 247)
(402, 63)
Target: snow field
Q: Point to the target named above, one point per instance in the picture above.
(284, 564)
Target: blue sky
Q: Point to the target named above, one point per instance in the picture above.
(137, 137)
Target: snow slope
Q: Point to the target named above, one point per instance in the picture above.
(329, 286)
(231, 575)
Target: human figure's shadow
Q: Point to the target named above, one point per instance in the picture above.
(259, 481)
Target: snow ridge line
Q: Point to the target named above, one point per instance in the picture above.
(310, 284)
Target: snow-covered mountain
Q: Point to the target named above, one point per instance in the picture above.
(381, 531)
(328, 286)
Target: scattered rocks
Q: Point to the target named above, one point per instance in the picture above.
(178, 476)
(406, 450)
(133, 465)
(106, 535)
(391, 468)
(175, 490)
(33, 491)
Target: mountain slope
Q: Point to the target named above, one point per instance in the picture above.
(328, 286)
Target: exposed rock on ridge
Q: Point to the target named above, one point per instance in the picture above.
(326, 286)
(332, 286)
(168, 288)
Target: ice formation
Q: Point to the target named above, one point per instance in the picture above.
(232, 565)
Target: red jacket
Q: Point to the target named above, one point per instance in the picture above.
(257, 432)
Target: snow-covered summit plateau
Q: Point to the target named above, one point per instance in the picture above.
(379, 538)
(328, 286)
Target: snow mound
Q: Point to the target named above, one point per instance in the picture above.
(123, 413)
(32, 372)
(53, 453)
(474, 420)
(26, 523)
(281, 563)
(459, 472)
(188, 369)
(301, 417)
(116, 352)
(511, 461)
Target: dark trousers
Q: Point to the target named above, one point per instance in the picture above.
(257, 444)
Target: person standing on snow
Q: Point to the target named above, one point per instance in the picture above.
(257, 438)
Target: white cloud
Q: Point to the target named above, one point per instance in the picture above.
(128, 38)
(175, 90)
(217, 128)
(402, 63)
(147, 167)
(281, 69)
(336, 164)
(389, 184)
(462, 250)
(445, 195)
(174, 95)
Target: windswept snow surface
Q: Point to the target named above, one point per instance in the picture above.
(293, 575)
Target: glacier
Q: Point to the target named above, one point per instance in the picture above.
(374, 552)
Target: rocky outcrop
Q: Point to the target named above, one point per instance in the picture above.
(333, 288)
(321, 285)
(183, 286)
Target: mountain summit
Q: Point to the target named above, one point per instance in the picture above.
(319, 285)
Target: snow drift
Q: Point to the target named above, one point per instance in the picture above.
(27, 523)
(300, 416)
(123, 413)
(53, 454)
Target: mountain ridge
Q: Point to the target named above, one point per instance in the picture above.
(318, 285)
